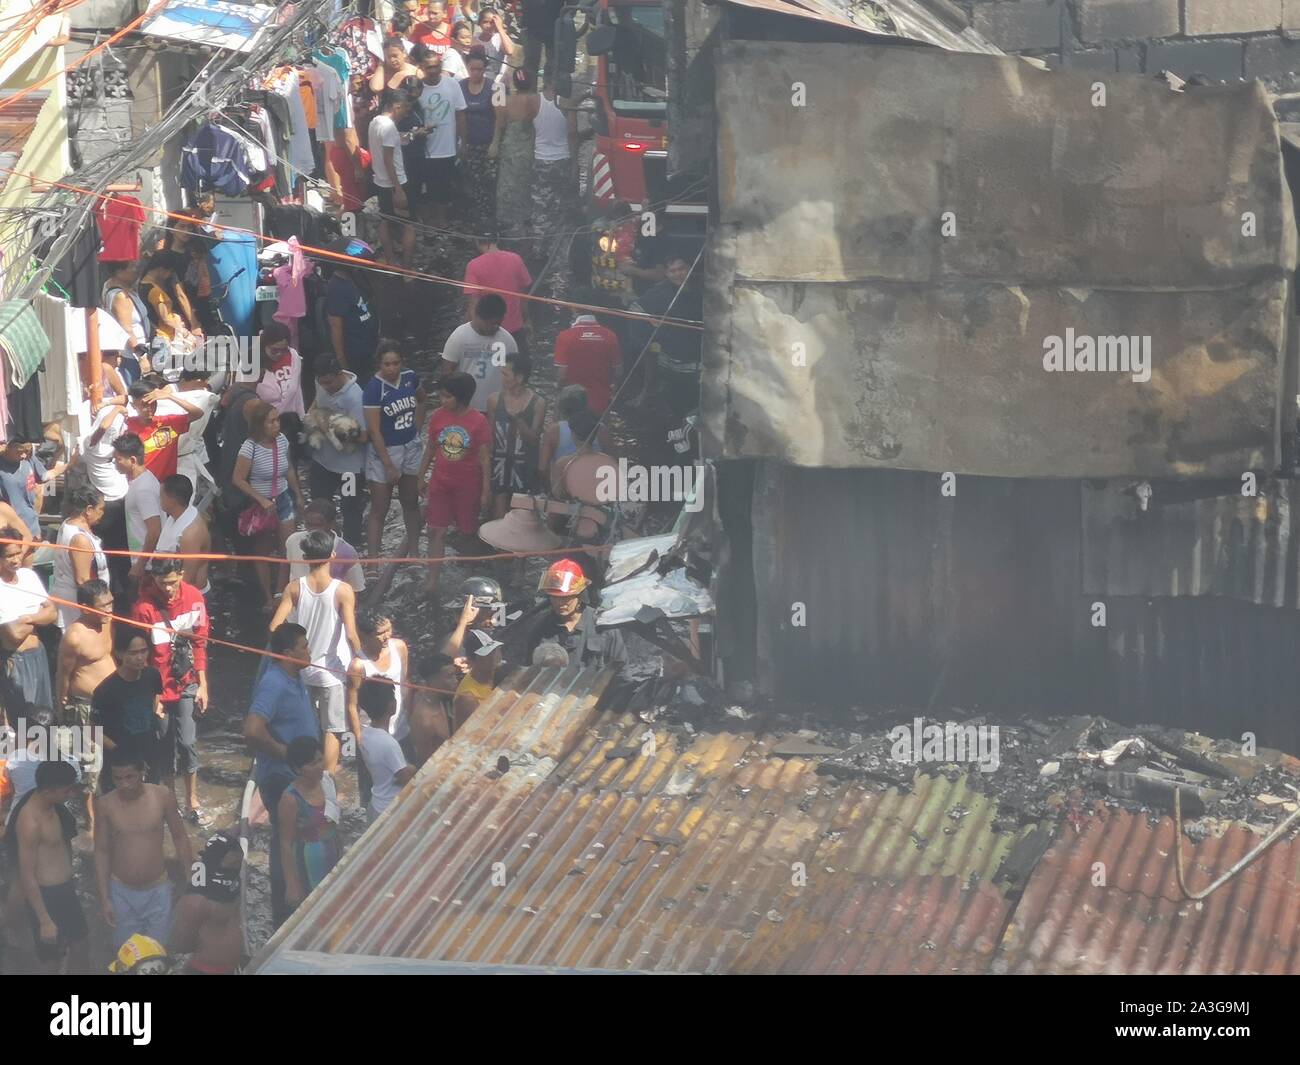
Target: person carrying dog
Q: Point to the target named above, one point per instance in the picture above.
(336, 471)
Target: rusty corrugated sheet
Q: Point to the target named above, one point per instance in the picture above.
(702, 854)
(1139, 922)
(372, 901)
(911, 20)
(1241, 547)
(895, 313)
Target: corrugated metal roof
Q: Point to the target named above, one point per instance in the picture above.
(1139, 922)
(912, 20)
(702, 854)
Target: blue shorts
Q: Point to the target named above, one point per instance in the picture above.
(284, 506)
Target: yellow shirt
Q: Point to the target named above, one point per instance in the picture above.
(470, 686)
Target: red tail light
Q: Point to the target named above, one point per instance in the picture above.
(633, 146)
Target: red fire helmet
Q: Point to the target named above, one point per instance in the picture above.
(562, 578)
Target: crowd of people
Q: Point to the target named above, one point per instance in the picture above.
(293, 473)
(130, 632)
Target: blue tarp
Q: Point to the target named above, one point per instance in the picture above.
(239, 307)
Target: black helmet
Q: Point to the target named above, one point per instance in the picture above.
(485, 591)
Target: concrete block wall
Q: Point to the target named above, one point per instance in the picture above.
(1226, 40)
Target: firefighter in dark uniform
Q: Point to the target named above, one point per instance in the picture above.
(571, 623)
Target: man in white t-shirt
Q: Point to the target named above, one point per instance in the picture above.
(381, 753)
(442, 103)
(143, 501)
(102, 471)
(479, 348)
(24, 607)
(388, 172)
(192, 452)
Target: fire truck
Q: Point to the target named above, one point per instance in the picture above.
(629, 102)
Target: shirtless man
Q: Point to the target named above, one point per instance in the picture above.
(184, 531)
(85, 658)
(135, 894)
(43, 829)
(432, 723)
(207, 924)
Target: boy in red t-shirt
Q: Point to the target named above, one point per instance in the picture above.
(161, 436)
(588, 354)
(460, 451)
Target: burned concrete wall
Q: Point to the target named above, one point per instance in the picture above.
(895, 285)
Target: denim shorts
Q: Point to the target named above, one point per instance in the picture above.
(284, 506)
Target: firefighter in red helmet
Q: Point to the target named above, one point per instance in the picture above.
(571, 623)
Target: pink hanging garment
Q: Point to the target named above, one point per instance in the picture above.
(293, 297)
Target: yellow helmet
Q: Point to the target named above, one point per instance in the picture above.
(140, 955)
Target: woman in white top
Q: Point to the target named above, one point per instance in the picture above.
(264, 473)
(73, 568)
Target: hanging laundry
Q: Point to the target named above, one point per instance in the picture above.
(292, 296)
(308, 93)
(257, 163)
(213, 158)
(24, 339)
(263, 122)
(119, 218)
(283, 85)
(61, 388)
(361, 40)
(338, 62)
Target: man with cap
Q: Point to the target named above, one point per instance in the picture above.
(206, 921)
(484, 656)
(484, 607)
(571, 624)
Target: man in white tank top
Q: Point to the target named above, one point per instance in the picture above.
(554, 178)
(326, 608)
(183, 529)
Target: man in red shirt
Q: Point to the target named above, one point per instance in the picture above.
(460, 451)
(505, 273)
(588, 354)
(161, 436)
(179, 637)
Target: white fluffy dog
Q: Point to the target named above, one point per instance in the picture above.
(321, 425)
